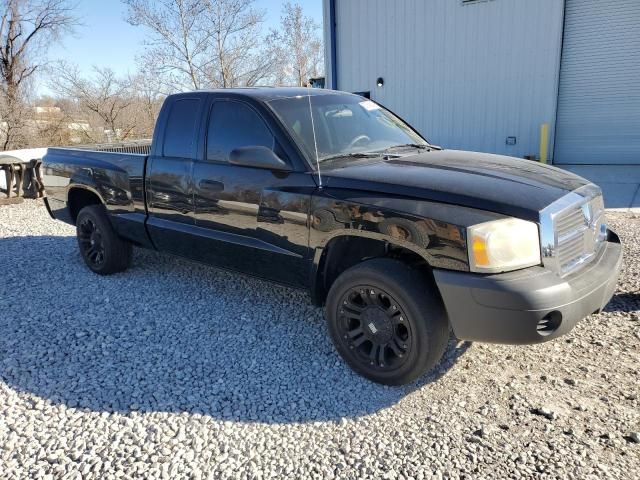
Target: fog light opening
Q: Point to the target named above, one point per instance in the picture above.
(549, 323)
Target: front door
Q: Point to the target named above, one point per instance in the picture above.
(252, 219)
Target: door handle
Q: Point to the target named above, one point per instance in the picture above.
(211, 185)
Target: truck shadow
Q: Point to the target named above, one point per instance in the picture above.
(173, 336)
(624, 302)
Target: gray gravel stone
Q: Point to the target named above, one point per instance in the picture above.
(175, 370)
(545, 412)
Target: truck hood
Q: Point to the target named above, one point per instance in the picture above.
(505, 185)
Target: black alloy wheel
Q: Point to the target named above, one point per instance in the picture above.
(91, 242)
(387, 320)
(374, 327)
(103, 251)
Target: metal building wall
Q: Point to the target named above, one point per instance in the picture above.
(467, 75)
(599, 101)
(326, 25)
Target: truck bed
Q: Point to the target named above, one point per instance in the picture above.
(116, 179)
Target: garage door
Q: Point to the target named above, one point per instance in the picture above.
(599, 99)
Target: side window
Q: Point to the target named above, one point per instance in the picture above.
(180, 133)
(233, 125)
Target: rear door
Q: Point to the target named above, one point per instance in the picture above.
(169, 175)
(251, 219)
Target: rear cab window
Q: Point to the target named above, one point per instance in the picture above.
(181, 132)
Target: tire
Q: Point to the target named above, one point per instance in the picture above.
(102, 249)
(405, 229)
(404, 318)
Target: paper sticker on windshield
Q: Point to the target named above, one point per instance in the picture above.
(369, 106)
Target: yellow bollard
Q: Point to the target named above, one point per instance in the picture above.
(544, 142)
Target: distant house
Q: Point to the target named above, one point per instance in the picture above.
(47, 111)
(78, 128)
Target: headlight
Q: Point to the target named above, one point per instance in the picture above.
(503, 245)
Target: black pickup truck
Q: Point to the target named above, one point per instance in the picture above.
(400, 240)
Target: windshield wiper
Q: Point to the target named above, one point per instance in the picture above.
(351, 155)
(406, 145)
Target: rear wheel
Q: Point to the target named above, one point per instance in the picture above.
(386, 321)
(102, 249)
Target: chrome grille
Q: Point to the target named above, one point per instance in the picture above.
(573, 230)
(570, 250)
(567, 226)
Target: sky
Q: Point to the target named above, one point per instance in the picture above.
(107, 40)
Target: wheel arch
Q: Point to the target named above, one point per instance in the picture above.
(80, 196)
(343, 250)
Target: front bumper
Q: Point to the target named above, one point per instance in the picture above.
(533, 305)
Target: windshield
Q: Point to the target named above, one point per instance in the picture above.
(345, 125)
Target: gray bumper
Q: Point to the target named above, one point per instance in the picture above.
(533, 305)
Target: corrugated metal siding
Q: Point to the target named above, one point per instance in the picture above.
(328, 68)
(599, 102)
(466, 76)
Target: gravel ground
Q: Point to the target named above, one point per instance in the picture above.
(175, 370)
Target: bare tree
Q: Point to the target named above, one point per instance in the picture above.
(27, 28)
(104, 97)
(196, 44)
(236, 29)
(178, 45)
(52, 120)
(148, 97)
(301, 46)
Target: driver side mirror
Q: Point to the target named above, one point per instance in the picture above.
(258, 157)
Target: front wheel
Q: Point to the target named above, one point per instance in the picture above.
(102, 249)
(386, 321)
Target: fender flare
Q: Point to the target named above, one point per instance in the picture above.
(321, 248)
(83, 186)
